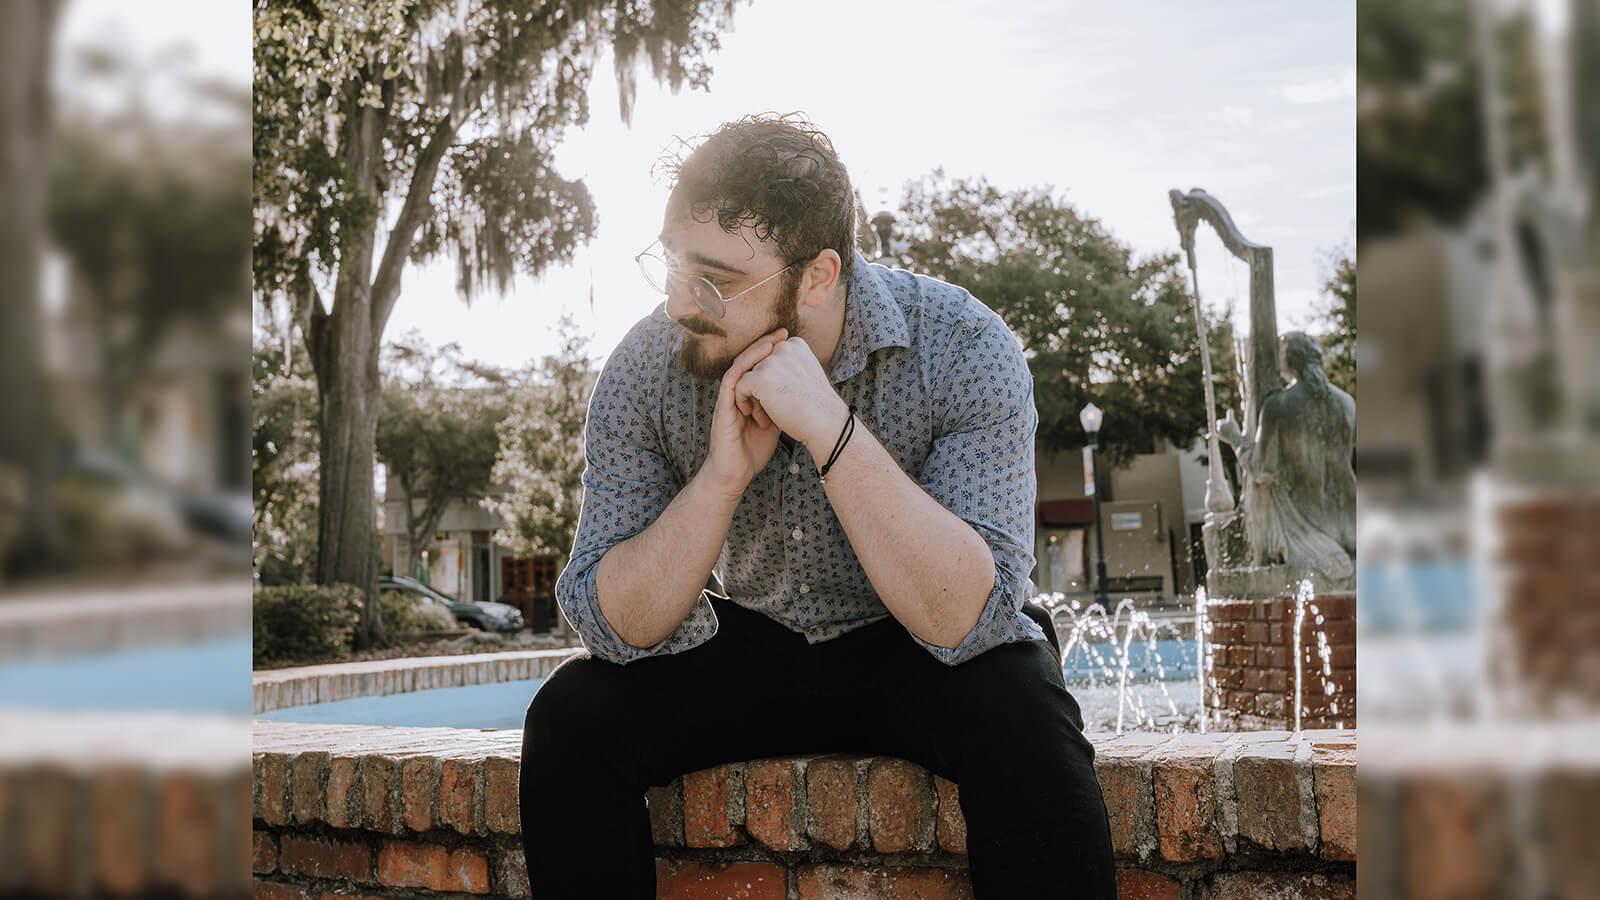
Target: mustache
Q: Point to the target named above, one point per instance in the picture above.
(700, 326)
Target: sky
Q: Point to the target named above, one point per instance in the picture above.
(1111, 103)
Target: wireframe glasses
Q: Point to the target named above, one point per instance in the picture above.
(665, 277)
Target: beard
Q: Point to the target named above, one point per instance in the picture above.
(695, 355)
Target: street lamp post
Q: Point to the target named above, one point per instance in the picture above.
(1090, 417)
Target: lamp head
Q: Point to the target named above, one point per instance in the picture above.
(1090, 417)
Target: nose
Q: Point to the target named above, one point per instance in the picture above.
(680, 305)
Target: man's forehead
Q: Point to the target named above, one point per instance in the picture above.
(705, 240)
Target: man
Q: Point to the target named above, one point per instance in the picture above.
(874, 608)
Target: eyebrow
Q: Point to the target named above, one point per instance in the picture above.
(704, 260)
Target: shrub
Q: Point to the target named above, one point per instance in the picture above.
(406, 615)
(304, 621)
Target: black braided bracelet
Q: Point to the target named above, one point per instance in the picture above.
(844, 438)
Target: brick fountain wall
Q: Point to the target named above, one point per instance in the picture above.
(1252, 679)
(432, 812)
(1547, 619)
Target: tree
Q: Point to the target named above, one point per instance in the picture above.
(1420, 145)
(437, 435)
(1095, 323)
(1339, 343)
(283, 458)
(27, 29)
(541, 461)
(398, 130)
(156, 239)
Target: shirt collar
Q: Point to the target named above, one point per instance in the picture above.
(872, 321)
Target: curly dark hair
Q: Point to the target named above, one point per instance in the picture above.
(777, 174)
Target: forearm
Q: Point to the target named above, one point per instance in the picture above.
(931, 569)
(647, 584)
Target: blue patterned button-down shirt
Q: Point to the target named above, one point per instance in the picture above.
(939, 379)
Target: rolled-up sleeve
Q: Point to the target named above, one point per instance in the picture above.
(981, 468)
(627, 482)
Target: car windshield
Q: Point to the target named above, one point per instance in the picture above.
(419, 587)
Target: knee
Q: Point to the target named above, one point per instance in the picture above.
(565, 705)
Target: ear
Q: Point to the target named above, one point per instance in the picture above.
(820, 277)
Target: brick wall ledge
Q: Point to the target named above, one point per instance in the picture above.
(117, 804)
(1488, 809)
(110, 619)
(416, 810)
(275, 689)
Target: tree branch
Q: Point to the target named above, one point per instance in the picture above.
(418, 202)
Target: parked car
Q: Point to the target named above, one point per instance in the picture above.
(488, 616)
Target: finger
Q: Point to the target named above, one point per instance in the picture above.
(762, 419)
(741, 364)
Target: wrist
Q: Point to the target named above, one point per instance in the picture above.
(721, 496)
(825, 434)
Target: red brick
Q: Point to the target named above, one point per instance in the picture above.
(1278, 634)
(1454, 832)
(325, 858)
(696, 880)
(1256, 633)
(271, 890)
(1186, 803)
(380, 781)
(407, 864)
(343, 797)
(831, 798)
(952, 825)
(771, 815)
(501, 783)
(120, 831)
(899, 806)
(274, 788)
(1334, 773)
(190, 825)
(665, 803)
(1136, 884)
(308, 787)
(836, 882)
(707, 808)
(1267, 781)
(419, 788)
(1278, 886)
(263, 853)
(458, 784)
(1124, 784)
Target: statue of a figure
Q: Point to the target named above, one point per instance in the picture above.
(1299, 488)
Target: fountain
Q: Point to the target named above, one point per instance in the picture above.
(1280, 592)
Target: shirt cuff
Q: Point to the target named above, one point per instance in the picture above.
(1002, 622)
(582, 606)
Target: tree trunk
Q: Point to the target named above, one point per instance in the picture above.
(26, 35)
(344, 347)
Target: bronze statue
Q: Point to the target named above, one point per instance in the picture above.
(1299, 487)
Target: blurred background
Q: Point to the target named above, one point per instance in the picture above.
(1478, 150)
(124, 450)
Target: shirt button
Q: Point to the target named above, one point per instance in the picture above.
(798, 534)
(805, 588)
(794, 468)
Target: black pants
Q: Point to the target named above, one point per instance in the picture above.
(1002, 726)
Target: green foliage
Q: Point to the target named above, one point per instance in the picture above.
(438, 432)
(303, 622)
(1420, 138)
(540, 466)
(1339, 343)
(1095, 323)
(156, 238)
(405, 615)
(460, 105)
(283, 456)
